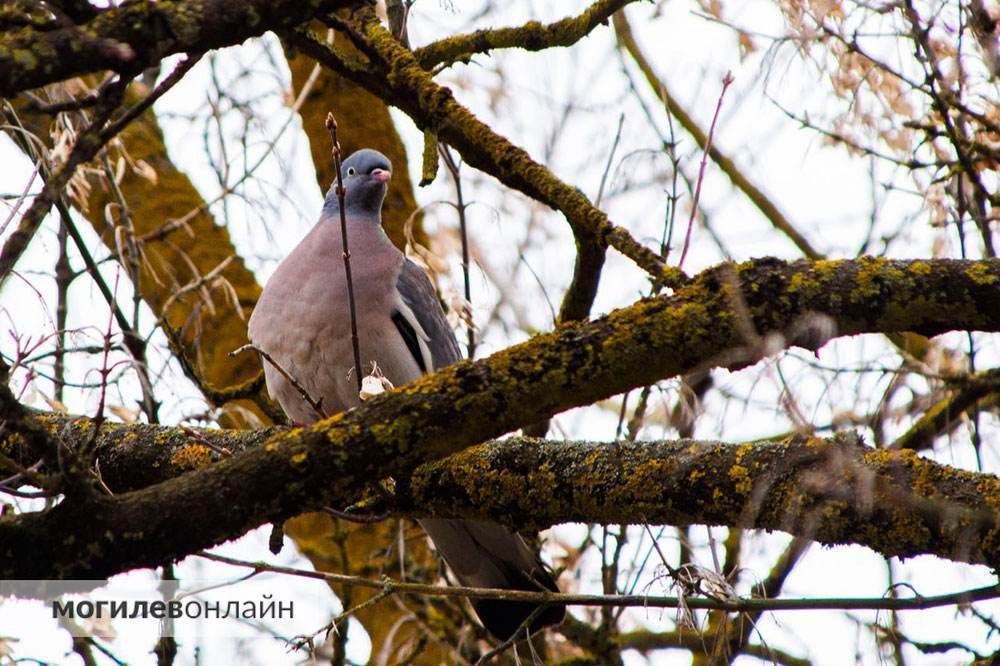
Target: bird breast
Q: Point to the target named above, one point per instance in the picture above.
(302, 321)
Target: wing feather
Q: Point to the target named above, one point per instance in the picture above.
(419, 296)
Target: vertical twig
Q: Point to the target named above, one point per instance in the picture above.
(726, 82)
(452, 166)
(667, 237)
(611, 158)
(64, 276)
(331, 126)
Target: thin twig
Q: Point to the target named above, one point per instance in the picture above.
(317, 405)
(89, 142)
(360, 518)
(503, 647)
(740, 604)
(301, 641)
(64, 277)
(726, 82)
(610, 162)
(453, 169)
(331, 126)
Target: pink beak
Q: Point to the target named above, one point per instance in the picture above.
(382, 175)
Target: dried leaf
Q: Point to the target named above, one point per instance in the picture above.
(144, 170)
(124, 413)
(374, 384)
(54, 405)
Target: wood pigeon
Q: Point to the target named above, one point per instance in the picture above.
(302, 321)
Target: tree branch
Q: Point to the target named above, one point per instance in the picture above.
(947, 413)
(730, 315)
(834, 491)
(136, 35)
(399, 79)
(532, 36)
(831, 490)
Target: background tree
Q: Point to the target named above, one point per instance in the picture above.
(157, 176)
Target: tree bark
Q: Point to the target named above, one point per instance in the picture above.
(137, 35)
(730, 316)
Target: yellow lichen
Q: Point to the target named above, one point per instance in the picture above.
(980, 274)
(825, 268)
(741, 475)
(873, 275)
(799, 282)
(191, 456)
(742, 451)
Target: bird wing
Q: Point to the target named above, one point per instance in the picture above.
(421, 319)
(481, 554)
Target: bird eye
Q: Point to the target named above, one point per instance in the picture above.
(351, 171)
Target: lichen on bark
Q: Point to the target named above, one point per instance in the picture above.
(441, 414)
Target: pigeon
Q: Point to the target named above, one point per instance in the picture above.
(302, 322)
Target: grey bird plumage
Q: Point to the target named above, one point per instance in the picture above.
(302, 321)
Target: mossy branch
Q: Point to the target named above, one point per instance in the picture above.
(136, 35)
(399, 79)
(532, 36)
(834, 491)
(944, 415)
(724, 316)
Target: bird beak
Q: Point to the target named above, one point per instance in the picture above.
(382, 175)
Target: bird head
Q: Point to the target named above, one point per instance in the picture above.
(366, 175)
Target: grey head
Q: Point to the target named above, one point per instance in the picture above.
(366, 174)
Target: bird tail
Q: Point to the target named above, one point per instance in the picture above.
(484, 554)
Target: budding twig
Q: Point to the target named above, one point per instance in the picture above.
(331, 126)
(727, 80)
